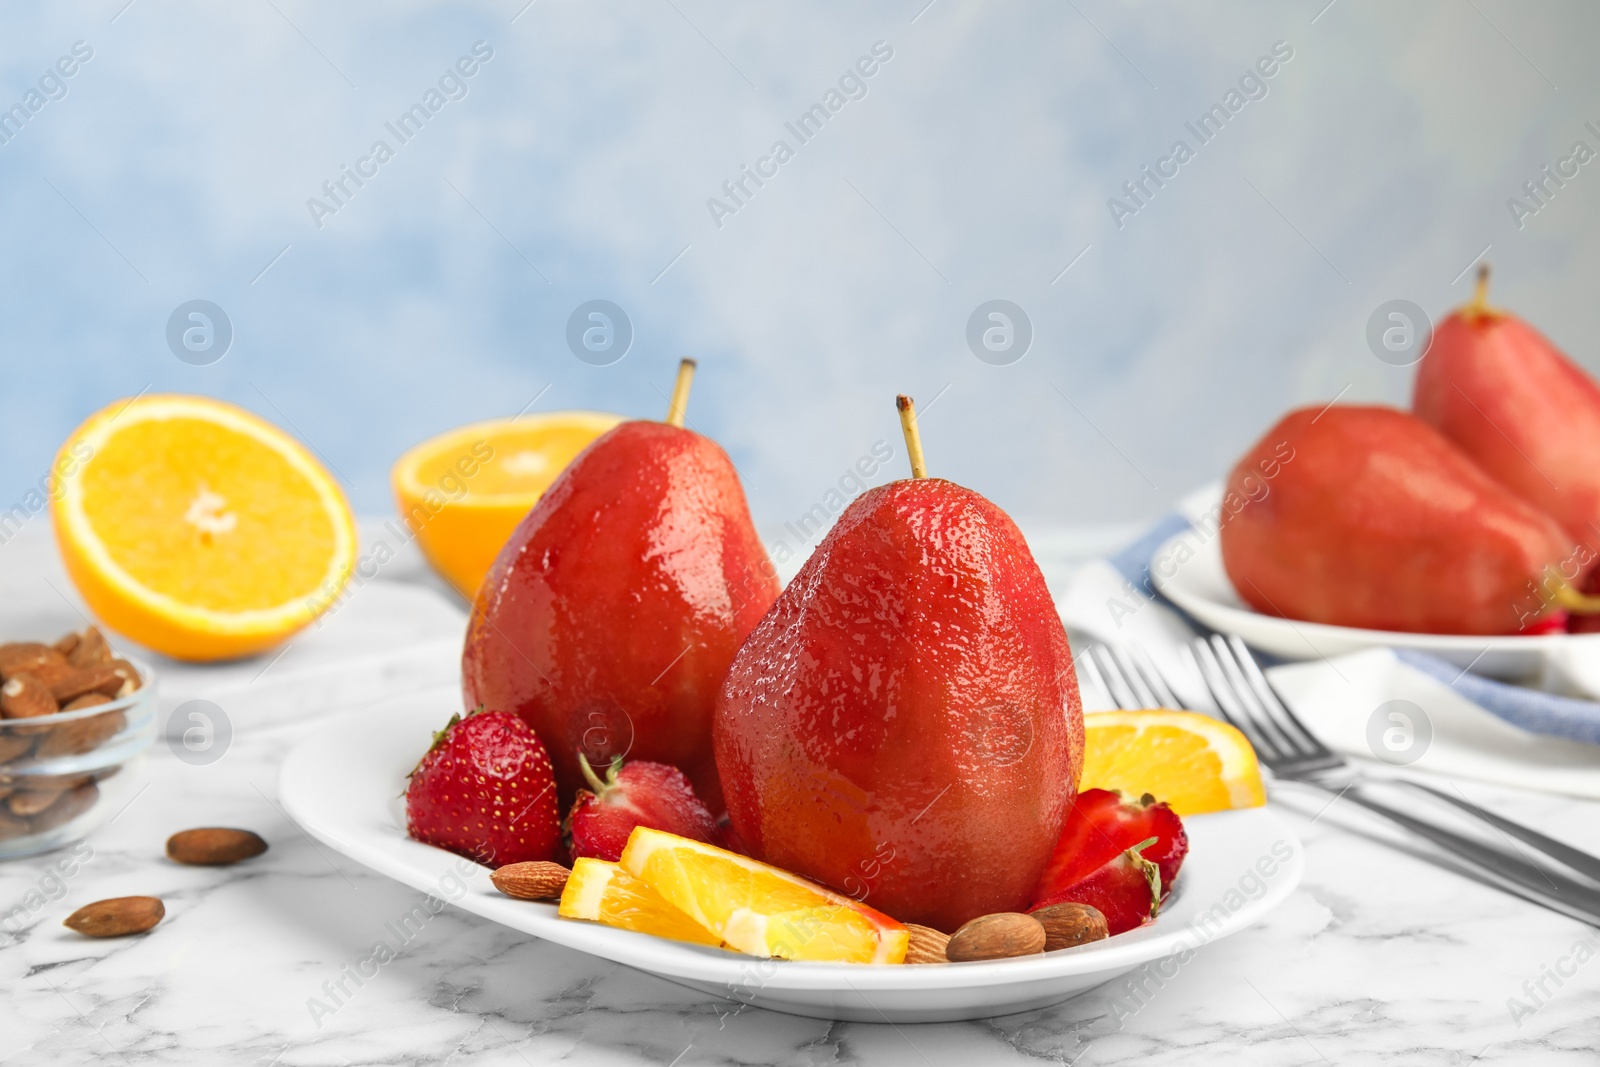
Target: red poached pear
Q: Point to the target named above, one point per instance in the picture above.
(484, 790)
(610, 617)
(904, 725)
(635, 793)
(1377, 521)
(1512, 401)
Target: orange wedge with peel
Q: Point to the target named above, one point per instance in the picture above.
(759, 909)
(198, 529)
(603, 892)
(1193, 762)
(463, 492)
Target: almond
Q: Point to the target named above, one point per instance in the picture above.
(130, 676)
(90, 650)
(60, 783)
(32, 801)
(927, 945)
(68, 642)
(19, 656)
(25, 697)
(1070, 924)
(532, 880)
(13, 747)
(106, 680)
(82, 735)
(48, 675)
(66, 808)
(117, 917)
(214, 846)
(997, 936)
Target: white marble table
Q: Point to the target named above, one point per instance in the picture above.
(1378, 957)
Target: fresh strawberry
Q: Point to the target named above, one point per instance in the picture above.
(1561, 622)
(655, 795)
(1100, 826)
(485, 790)
(1127, 890)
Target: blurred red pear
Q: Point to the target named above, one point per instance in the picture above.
(1376, 521)
(1512, 401)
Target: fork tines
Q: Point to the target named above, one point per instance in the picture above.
(1247, 700)
(1130, 679)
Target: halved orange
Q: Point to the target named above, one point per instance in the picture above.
(760, 909)
(603, 892)
(198, 529)
(464, 491)
(1193, 762)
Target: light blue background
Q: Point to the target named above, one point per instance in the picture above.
(977, 167)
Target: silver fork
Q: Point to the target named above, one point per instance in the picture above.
(1247, 701)
(1269, 701)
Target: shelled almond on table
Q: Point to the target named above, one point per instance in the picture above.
(117, 917)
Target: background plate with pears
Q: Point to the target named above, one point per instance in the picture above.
(1467, 527)
(1202, 589)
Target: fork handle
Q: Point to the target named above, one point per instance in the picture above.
(1516, 889)
(1580, 900)
(1577, 859)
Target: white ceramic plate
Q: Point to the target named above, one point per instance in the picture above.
(1200, 586)
(341, 785)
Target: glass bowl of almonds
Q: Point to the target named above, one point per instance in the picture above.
(73, 716)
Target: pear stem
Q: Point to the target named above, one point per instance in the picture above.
(1565, 596)
(680, 393)
(1480, 294)
(908, 426)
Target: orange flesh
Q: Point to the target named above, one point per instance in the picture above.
(208, 516)
(524, 461)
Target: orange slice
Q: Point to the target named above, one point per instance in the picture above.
(760, 909)
(464, 491)
(1193, 762)
(603, 892)
(198, 529)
